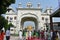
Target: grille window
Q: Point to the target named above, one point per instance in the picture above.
(42, 18)
(14, 18)
(7, 17)
(11, 18)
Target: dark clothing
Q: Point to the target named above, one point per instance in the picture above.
(7, 37)
(54, 35)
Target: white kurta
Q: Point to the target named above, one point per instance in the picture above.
(51, 34)
(20, 35)
(30, 34)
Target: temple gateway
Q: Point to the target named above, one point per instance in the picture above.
(40, 18)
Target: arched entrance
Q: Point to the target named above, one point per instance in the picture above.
(24, 19)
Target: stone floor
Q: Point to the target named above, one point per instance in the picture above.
(13, 38)
(16, 38)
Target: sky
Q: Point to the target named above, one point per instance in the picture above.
(44, 4)
(29, 23)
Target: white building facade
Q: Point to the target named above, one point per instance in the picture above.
(28, 14)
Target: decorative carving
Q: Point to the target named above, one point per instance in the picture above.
(29, 5)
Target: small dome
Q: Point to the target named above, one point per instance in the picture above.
(38, 5)
(20, 5)
(29, 4)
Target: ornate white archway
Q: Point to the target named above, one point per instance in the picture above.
(29, 19)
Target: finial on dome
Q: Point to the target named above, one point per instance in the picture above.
(29, 5)
(38, 5)
(50, 7)
(19, 5)
(47, 7)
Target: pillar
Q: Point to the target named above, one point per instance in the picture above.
(51, 23)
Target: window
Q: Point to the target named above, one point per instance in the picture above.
(42, 18)
(50, 11)
(10, 21)
(14, 18)
(11, 29)
(7, 17)
(11, 18)
(46, 19)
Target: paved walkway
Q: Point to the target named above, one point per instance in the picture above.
(16, 38)
(13, 38)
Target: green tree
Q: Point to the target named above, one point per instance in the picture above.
(3, 8)
(3, 22)
(11, 25)
(8, 26)
(4, 4)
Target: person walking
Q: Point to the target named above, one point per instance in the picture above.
(54, 37)
(42, 35)
(58, 35)
(20, 35)
(7, 34)
(30, 34)
(51, 33)
(45, 34)
(2, 34)
(26, 35)
(49, 36)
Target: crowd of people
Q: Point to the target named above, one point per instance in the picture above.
(33, 35)
(39, 35)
